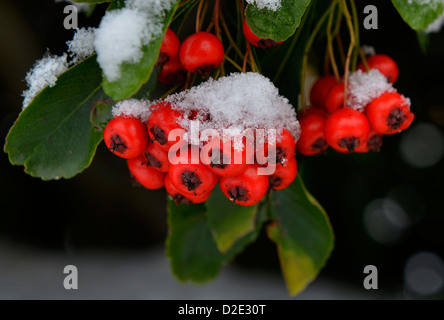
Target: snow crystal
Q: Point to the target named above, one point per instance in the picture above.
(239, 101)
(363, 87)
(44, 73)
(132, 107)
(272, 5)
(82, 45)
(122, 33)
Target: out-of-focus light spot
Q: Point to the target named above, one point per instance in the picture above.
(385, 220)
(424, 274)
(410, 199)
(422, 145)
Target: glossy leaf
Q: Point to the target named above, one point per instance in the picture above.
(418, 13)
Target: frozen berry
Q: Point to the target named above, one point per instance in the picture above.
(255, 40)
(147, 176)
(284, 175)
(169, 48)
(312, 140)
(386, 65)
(346, 130)
(126, 137)
(161, 122)
(389, 113)
(246, 189)
(201, 52)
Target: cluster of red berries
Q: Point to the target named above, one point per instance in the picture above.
(201, 52)
(331, 123)
(154, 161)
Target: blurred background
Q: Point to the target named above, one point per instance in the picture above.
(386, 208)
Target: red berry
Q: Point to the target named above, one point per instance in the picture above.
(285, 148)
(374, 143)
(335, 97)
(223, 159)
(201, 52)
(313, 110)
(284, 175)
(320, 89)
(172, 72)
(389, 113)
(161, 122)
(180, 198)
(346, 130)
(312, 140)
(255, 40)
(156, 157)
(169, 48)
(190, 176)
(386, 65)
(126, 137)
(147, 176)
(246, 189)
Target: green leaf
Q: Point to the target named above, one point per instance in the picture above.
(302, 233)
(418, 13)
(228, 221)
(277, 25)
(134, 75)
(53, 136)
(192, 251)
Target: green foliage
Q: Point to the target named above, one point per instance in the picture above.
(419, 14)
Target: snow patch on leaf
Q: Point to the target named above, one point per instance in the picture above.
(272, 5)
(82, 45)
(133, 108)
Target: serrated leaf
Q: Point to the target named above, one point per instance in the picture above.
(228, 221)
(53, 136)
(134, 75)
(277, 25)
(192, 251)
(418, 13)
(302, 233)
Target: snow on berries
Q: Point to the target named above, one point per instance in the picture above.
(237, 131)
(355, 118)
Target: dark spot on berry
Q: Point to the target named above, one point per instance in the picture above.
(158, 135)
(205, 70)
(350, 143)
(375, 143)
(275, 181)
(266, 43)
(217, 163)
(180, 199)
(280, 155)
(152, 161)
(117, 144)
(396, 118)
(238, 194)
(176, 77)
(162, 59)
(319, 144)
(191, 180)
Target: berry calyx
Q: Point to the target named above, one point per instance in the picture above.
(201, 52)
(169, 47)
(147, 176)
(180, 198)
(374, 143)
(312, 140)
(389, 113)
(346, 130)
(255, 40)
(156, 158)
(246, 189)
(161, 122)
(172, 72)
(190, 176)
(284, 175)
(126, 137)
(320, 89)
(386, 65)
